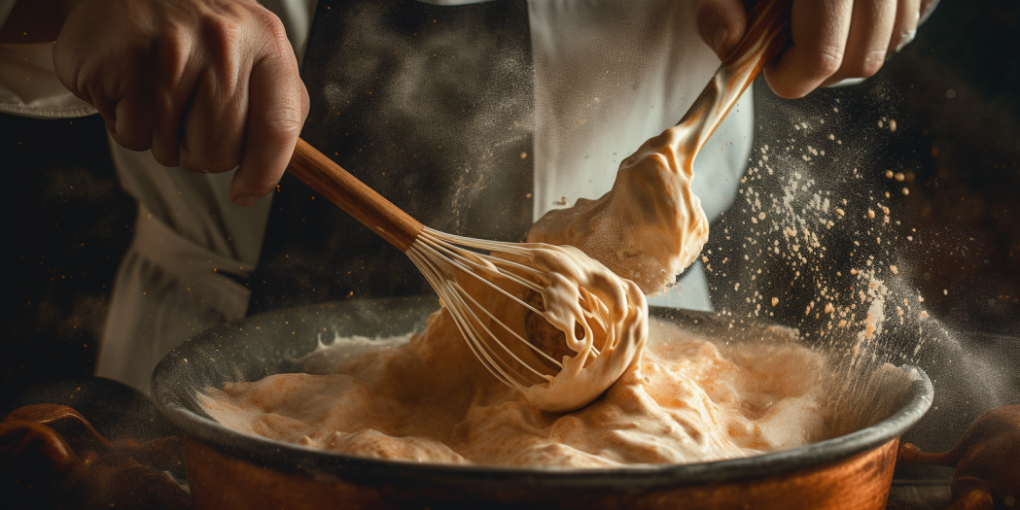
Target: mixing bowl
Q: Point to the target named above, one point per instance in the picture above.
(228, 469)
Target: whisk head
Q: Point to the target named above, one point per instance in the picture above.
(545, 320)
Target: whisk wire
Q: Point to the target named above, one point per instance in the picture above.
(467, 268)
(438, 258)
(465, 261)
(509, 330)
(458, 242)
(500, 370)
(455, 304)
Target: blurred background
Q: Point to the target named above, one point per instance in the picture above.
(954, 95)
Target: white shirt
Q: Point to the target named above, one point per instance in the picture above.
(608, 75)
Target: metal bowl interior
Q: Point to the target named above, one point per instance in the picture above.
(270, 343)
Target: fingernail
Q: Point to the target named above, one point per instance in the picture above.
(719, 39)
(245, 201)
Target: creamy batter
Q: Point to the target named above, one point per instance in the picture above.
(599, 257)
(547, 320)
(649, 227)
(683, 400)
(430, 400)
(426, 399)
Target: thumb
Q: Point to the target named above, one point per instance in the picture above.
(721, 24)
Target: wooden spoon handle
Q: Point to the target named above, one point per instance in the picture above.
(343, 189)
(765, 37)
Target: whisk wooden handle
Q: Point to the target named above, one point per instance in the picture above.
(353, 196)
(765, 37)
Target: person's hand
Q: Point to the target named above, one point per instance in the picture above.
(206, 84)
(831, 39)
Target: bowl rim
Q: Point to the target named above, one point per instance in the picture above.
(291, 458)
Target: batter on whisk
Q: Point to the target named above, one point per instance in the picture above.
(648, 228)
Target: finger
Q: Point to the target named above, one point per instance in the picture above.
(87, 81)
(214, 124)
(179, 70)
(870, 31)
(277, 108)
(132, 126)
(908, 15)
(818, 32)
(95, 92)
(213, 131)
(721, 24)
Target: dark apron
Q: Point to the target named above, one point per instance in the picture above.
(432, 106)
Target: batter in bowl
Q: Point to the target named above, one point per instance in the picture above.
(427, 399)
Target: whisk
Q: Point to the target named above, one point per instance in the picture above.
(576, 299)
(476, 279)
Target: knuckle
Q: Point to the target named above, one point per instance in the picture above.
(223, 38)
(273, 25)
(274, 33)
(826, 61)
(223, 33)
(280, 125)
(172, 51)
(87, 88)
(870, 65)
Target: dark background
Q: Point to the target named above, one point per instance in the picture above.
(71, 222)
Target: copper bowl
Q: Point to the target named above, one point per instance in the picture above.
(227, 469)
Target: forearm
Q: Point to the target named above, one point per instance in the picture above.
(35, 21)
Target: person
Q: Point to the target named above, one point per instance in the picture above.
(205, 99)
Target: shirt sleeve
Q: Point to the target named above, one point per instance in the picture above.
(28, 85)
